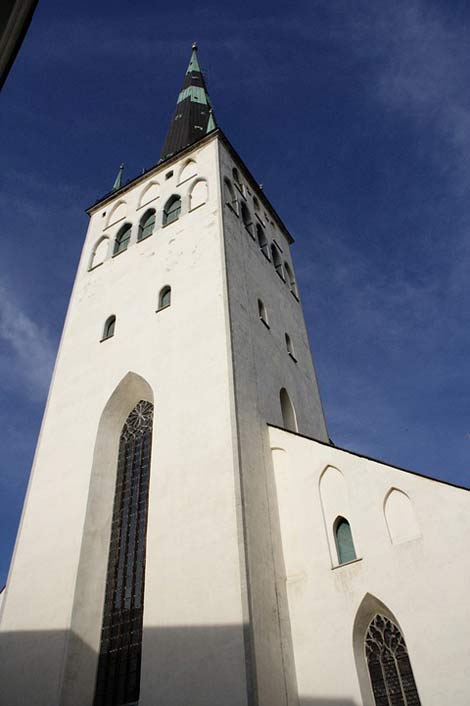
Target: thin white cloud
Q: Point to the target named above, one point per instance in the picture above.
(28, 350)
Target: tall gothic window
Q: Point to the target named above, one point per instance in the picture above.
(118, 678)
(389, 666)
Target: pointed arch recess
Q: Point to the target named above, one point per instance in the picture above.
(198, 194)
(335, 503)
(150, 193)
(188, 171)
(99, 252)
(80, 671)
(400, 517)
(117, 213)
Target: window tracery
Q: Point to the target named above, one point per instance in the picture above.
(389, 665)
(118, 676)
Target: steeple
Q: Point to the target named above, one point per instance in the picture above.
(193, 117)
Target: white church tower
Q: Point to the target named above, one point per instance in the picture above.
(190, 536)
(144, 568)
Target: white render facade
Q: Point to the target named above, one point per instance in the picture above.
(245, 601)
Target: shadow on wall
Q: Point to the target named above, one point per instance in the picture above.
(200, 666)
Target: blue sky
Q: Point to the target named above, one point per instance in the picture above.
(355, 117)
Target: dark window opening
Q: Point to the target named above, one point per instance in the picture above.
(118, 676)
(109, 327)
(391, 675)
(172, 210)
(147, 224)
(122, 239)
(344, 541)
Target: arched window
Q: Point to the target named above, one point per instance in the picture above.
(262, 240)
(344, 541)
(164, 298)
(172, 210)
(263, 313)
(109, 326)
(118, 677)
(288, 413)
(390, 672)
(291, 280)
(277, 262)
(290, 347)
(147, 224)
(229, 195)
(122, 239)
(246, 218)
(255, 204)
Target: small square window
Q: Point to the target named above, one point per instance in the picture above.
(168, 175)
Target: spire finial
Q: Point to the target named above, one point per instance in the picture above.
(118, 181)
(194, 46)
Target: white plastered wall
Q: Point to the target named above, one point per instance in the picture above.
(422, 581)
(193, 620)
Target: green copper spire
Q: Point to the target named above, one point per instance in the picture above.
(193, 117)
(118, 181)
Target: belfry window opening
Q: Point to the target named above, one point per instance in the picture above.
(171, 210)
(147, 224)
(122, 239)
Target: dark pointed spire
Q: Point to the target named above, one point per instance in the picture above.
(118, 181)
(193, 117)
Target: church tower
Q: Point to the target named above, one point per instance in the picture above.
(147, 562)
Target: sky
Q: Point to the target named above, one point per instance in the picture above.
(355, 117)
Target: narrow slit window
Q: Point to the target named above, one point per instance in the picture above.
(291, 280)
(147, 224)
(344, 541)
(246, 218)
(122, 239)
(172, 210)
(290, 347)
(236, 178)
(109, 327)
(164, 298)
(263, 313)
(289, 418)
(262, 240)
(229, 195)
